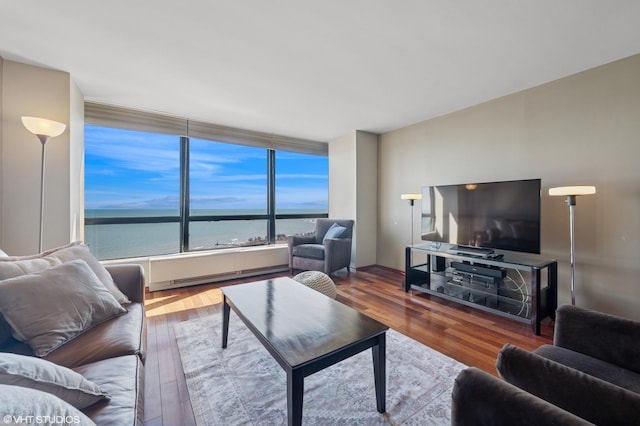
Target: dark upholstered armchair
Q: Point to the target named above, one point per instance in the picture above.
(590, 375)
(328, 250)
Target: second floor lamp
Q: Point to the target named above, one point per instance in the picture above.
(571, 192)
(412, 198)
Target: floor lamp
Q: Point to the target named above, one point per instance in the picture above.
(412, 198)
(44, 129)
(571, 192)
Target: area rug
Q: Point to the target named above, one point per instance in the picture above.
(244, 385)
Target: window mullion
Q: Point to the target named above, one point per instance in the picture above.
(271, 196)
(184, 194)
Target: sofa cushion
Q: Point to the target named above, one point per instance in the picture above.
(123, 378)
(123, 335)
(36, 373)
(14, 266)
(48, 308)
(17, 402)
(603, 336)
(311, 251)
(594, 367)
(587, 397)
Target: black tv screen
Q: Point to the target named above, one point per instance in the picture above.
(496, 215)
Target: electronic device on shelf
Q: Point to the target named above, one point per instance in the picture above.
(493, 215)
(476, 282)
(488, 271)
(472, 251)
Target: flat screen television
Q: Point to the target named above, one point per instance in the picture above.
(494, 215)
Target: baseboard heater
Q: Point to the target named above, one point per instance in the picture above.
(185, 282)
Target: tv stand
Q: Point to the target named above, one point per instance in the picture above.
(506, 283)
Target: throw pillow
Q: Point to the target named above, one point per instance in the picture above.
(45, 309)
(36, 373)
(5, 330)
(335, 231)
(46, 252)
(19, 404)
(3, 254)
(14, 266)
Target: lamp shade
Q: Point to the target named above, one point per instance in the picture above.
(42, 126)
(572, 190)
(411, 197)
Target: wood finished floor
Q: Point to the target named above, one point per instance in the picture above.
(468, 335)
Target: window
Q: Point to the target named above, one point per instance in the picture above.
(301, 192)
(226, 180)
(153, 192)
(130, 175)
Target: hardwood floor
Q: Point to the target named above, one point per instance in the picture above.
(468, 335)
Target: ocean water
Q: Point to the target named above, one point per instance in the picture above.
(132, 240)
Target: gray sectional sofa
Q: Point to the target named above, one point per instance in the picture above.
(98, 370)
(590, 375)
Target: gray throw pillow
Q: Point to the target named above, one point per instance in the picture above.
(36, 373)
(47, 308)
(19, 404)
(5, 330)
(335, 231)
(14, 266)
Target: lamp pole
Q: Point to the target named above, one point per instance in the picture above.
(571, 192)
(412, 203)
(44, 129)
(571, 201)
(43, 140)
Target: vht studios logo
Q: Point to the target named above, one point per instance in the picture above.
(58, 420)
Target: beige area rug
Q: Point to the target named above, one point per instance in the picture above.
(244, 385)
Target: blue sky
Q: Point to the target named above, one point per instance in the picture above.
(138, 170)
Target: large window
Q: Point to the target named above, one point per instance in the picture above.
(149, 193)
(301, 192)
(131, 175)
(226, 180)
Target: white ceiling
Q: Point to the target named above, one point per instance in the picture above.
(315, 69)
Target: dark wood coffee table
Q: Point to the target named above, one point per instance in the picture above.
(305, 331)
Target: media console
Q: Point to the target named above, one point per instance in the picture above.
(509, 284)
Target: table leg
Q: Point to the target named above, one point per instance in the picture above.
(380, 372)
(295, 393)
(225, 322)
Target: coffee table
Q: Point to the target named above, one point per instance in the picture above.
(305, 331)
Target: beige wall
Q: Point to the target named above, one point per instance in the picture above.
(583, 129)
(367, 198)
(39, 92)
(353, 189)
(1, 149)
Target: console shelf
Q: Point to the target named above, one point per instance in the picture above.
(506, 283)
